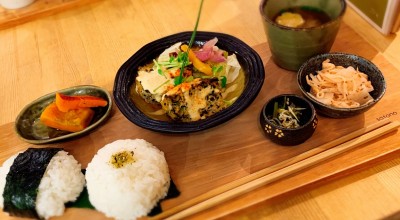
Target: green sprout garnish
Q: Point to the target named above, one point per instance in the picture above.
(223, 81)
(159, 70)
(217, 69)
(185, 58)
(161, 85)
(173, 62)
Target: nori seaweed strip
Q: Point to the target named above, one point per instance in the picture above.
(83, 199)
(173, 192)
(23, 179)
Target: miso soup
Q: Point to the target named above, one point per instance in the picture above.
(302, 17)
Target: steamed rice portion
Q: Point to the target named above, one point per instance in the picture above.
(62, 182)
(131, 185)
(3, 174)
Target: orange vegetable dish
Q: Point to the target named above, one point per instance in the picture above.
(71, 113)
(66, 103)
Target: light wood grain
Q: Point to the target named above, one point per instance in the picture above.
(86, 45)
(281, 170)
(231, 156)
(38, 9)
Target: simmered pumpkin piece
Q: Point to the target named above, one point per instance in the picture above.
(72, 120)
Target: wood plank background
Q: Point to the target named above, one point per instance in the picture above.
(202, 161)
(87, 45)
(38, 9)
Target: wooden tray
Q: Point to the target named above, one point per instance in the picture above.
(205, 160)
(40, 8)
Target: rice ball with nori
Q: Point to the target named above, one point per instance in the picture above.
(126, 178)
(38, 182)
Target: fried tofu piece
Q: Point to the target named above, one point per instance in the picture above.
(195, 100)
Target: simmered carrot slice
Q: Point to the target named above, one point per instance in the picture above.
(66, 103)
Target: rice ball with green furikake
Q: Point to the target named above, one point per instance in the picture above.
(38, 182)
(126, 178)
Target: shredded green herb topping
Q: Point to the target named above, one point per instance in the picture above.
(287, 115)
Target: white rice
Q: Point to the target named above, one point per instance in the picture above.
(3, 174)
(62, 182)
(131, 191)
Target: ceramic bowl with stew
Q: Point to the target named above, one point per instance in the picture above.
(313, 65)
(137, 111)
(292, 43)
(279, 132)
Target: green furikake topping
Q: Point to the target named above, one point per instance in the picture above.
(121, 159)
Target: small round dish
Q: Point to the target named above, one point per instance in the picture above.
(126, 75)
(289, 136)
(342, 59)
(29, 128)
(15, 4)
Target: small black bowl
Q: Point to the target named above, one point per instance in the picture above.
(289, 136)
(342, 59)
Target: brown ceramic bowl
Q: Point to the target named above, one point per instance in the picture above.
(289, 136)
(345, 60)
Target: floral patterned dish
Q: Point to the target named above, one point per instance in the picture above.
(282, 131)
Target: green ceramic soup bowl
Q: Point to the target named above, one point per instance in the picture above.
(292, 46)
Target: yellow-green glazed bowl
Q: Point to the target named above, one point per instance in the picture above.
(291, 47)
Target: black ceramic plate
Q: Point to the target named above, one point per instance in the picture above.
(247, 57)
(29, 128)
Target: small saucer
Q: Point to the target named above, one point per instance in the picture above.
(30, 129)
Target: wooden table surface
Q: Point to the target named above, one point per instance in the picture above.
(87, 45)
